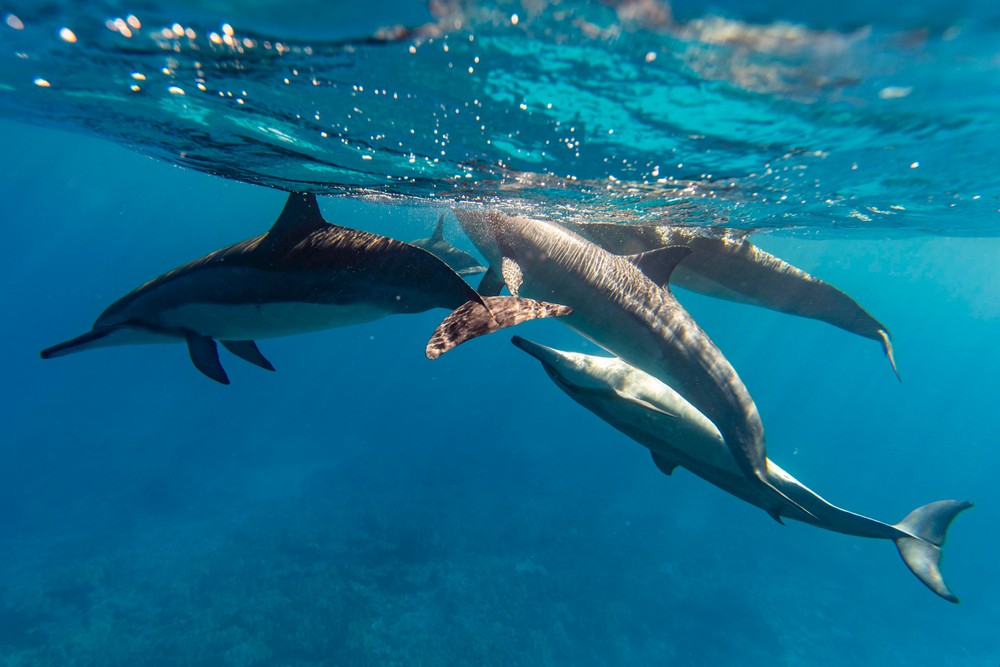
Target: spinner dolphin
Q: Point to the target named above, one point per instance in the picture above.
(622, 304)
(725, 265)
(305, 274)
(462, 262)
(677, 434)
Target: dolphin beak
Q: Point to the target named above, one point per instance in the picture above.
(87, 341)
(551, 359)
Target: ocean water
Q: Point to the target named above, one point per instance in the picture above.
(366, 506)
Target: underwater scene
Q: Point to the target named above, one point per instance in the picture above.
(533, 332)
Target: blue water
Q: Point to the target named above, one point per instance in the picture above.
(366, 506)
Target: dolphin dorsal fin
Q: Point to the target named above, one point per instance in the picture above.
(300, 218)
(660, 263)
(300, 215)
(438, 234)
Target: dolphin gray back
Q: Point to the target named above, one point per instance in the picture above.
(725, 265)
(623, 305)
(308, 260)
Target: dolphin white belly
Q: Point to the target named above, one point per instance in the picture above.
(267, 320)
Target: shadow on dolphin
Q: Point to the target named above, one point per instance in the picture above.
(624, 305)
(677, 434)
(303, 275)
(725, 265)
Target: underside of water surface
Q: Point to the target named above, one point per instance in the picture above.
(754, 116)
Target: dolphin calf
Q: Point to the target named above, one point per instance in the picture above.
(303, 275)
(677, 434)
(619, 304)
(725, 265)
(462, 262)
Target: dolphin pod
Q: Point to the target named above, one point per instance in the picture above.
(677, 434)
(722, 264)
(620, 304)
(303, 275)
(668, 386)
(726, 265)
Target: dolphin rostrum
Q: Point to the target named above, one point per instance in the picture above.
(618, 303)
(725, 265)
(462, 262)
(677, 434)
(303, 275)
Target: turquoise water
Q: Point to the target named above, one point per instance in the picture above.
(366, 506)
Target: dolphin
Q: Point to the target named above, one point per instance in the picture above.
(462, 262)
(725, 265)
(304, 274)
(677, 434)
(619, 304)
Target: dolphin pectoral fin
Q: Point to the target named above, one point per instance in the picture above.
(205, 357)
(776, 515)
(492, 282)
(926, 528)
(643, 403)
(665, 464)
(660, 263)
(512, 275)
(474, 319)
(247, 351)
(886, 341)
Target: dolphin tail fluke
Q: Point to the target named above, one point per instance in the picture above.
(473, 319)
(926, 528)
(886, 341)
(205, 357)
